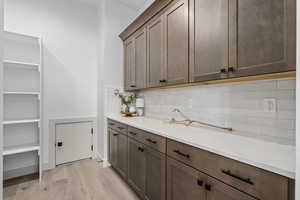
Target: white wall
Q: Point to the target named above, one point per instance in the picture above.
(146, 5)
(1, 98)
(114, 17)
(69, 32)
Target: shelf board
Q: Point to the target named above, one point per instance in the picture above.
(12, 63)
(20, 149)
(22, 93)
(21, 121)
(20, 37)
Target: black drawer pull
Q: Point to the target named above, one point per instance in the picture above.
(162, 81)
(223, 70)
(116, 134)
(141, 149)
(182, 154)
(231, 69)
(133, 86)
(132, 133)
(246, 180)
(208, 187)
(121, 128)
(200, 182)
(151, 141)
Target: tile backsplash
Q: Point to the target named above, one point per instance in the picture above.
(236, 105)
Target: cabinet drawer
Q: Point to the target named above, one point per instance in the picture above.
(254, 181)
(155, 141)
(136, 134)
(122, 128)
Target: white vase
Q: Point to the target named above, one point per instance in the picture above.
(132, 109)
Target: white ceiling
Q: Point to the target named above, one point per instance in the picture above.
(135, 4)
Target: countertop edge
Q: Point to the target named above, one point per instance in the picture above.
(270, 168)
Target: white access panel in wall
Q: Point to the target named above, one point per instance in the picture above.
(73, 142)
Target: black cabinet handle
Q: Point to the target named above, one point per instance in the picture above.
(132, 133)
(223, 70)
(151, 141)
(121, 128)
(116, 134)
(133, 86)
(60, 144)
(231, 69)
(141, 149)
(245, 180)
(182, 154)
(208, 187)
(162, 81)
(200, 182)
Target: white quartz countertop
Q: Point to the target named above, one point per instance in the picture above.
(277, 158)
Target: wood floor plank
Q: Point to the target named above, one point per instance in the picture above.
(82, 180)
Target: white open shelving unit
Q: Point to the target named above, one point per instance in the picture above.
(22, 105)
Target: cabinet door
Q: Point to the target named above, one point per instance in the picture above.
(184, 182)
(122, 155)
(129, 72)
(177, 43)
(216, 190)
(265, 36)
(140, 59)
(113, 147)
(209, 39)
(155, 54)
(136, 166)
(155, 175)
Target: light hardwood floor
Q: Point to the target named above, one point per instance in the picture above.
(82, 180)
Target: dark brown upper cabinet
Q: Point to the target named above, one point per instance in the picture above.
(176, 54)
(209, 39)
(136, 61)
(180, 41)
(129, 67)
(155, 47)
(236, 38)
(265, 36)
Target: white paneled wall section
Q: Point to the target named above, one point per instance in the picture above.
(22, 104)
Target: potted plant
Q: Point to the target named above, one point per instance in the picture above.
(127, 99)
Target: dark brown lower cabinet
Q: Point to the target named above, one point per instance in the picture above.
(118, 152)
(176, 171)
(136, 166)
(113, 147)
(184, 182)
(216, 190)
(155, 175)
(122, 161)
(146, 172)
